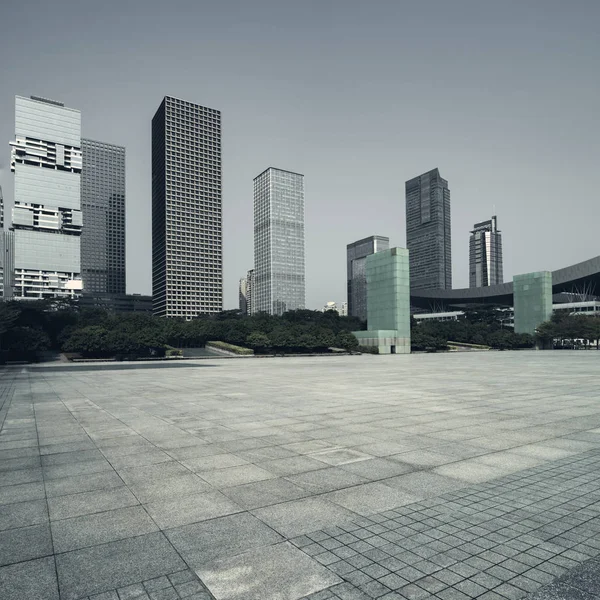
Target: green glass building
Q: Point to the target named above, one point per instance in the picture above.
(532, 294)
(388, 302)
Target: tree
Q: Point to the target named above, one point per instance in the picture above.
(8, 316)
(257, 340)
(89, 341)
(26, 341)
(346, 340)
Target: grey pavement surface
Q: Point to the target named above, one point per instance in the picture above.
(451, 476)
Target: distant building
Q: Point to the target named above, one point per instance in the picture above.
(279, 269)
(356, 256)
(485, 254)
(245, 293)
(103, 208)
(187, 243)
(47, 219)
(341, 309)
(428, 231)
(117, 302)
(6, 255)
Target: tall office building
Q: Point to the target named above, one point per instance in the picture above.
(245, 293)
(428, 236)
(6, 255)
(485, 254)
(356, 258)
(47, 221)
(103, 208)
(279, 269)
(187, 253)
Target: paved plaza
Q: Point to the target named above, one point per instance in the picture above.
(450, 476)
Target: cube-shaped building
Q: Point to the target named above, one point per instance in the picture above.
(388, 302)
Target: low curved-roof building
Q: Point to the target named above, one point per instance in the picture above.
(578, 278)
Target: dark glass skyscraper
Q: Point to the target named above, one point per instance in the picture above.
(103, 208)
(428, 236)
(187, 255)
(485, 254)
(356, 254)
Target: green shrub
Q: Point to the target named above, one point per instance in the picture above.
(368, 349)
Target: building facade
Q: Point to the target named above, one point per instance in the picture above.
(118, 303)
(187, 242)
(485, 254)
(356, 257)
(245, 293)
(388, 302)
(279, 267)
(428, 231)
(103, 209)
(47, 219)
(532, 300)
(7, 247)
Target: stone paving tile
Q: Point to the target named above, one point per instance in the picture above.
(501, 539)
(496, 455)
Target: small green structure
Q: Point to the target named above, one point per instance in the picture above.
(532, 296)
(388, 302)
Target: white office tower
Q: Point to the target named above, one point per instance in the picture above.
(47, 222)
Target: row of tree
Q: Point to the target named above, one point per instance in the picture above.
(570, 331)
(483, 326)
(28, 328)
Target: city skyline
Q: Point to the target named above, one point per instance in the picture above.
(493, 119)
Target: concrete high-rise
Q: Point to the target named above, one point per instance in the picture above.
(103, 208)
(279, 268)
(245, 293)
(428, 231)
(356, 258)
(47, 220)
(6, 255)
(187, 243)
(485, 254)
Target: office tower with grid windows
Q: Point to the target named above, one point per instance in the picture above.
(485, 254)
(428, 232)
(46, 218)
(187, 255)
(103, 208)
(356, 259)
(278, 283)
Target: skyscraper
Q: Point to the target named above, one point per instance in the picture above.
(356, 254)
(485, 254)
(428, 236)
(187, 254)
(245, 293)
(6, 255)
(47, 221)
(279, 276)
(103, 208)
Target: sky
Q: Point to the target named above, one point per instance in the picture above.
(359, 96)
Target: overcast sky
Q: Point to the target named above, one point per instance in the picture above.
(502, 96)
